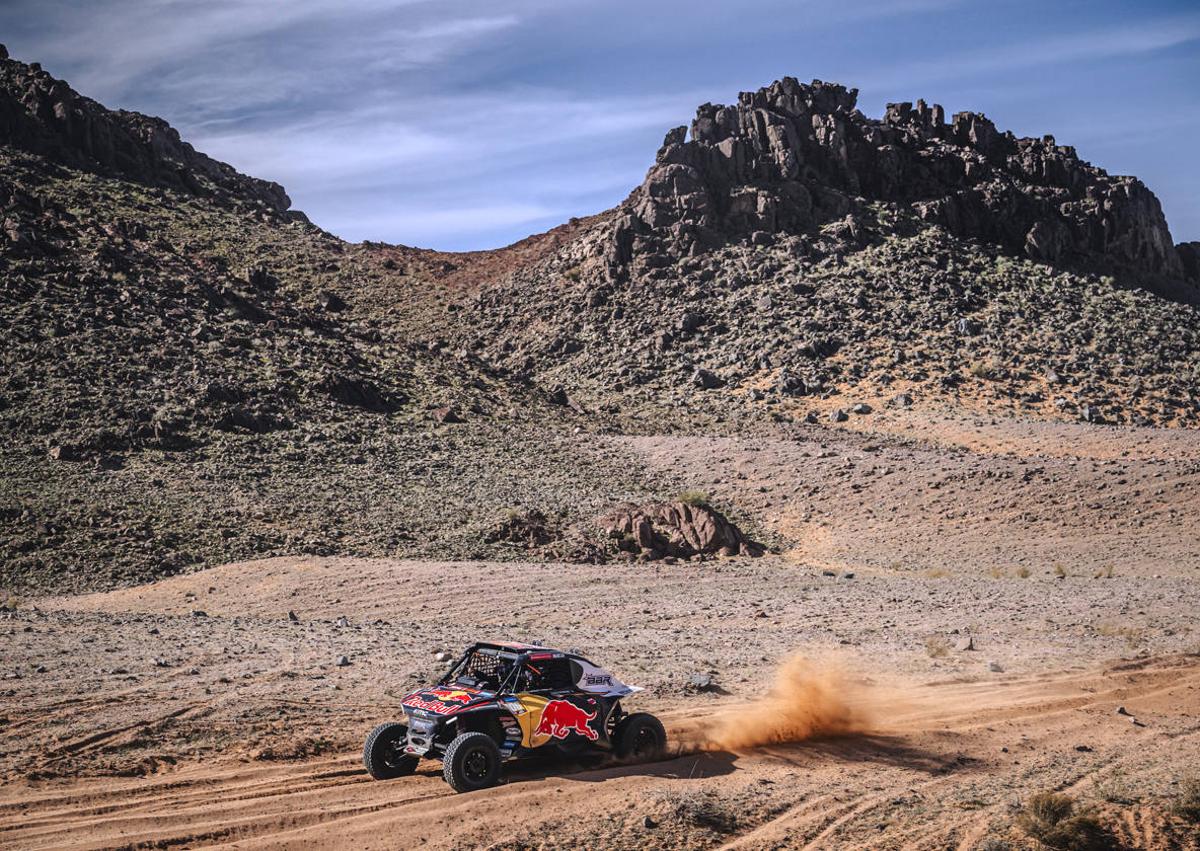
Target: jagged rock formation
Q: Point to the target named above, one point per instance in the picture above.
(790, 157)
(676, 530)
(46, 117)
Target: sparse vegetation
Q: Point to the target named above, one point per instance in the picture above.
(993, 843)
(1114, 788)
(704, 808)
(937, 647)
(986, 369)
(693, 497)
(1134, 636)
(1187, 807)
(1050, 819)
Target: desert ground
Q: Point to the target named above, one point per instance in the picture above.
(974, 611)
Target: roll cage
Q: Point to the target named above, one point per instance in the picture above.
(505, 669)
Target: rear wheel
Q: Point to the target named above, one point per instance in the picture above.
(471, 762)
(640, 736)
(383, 754)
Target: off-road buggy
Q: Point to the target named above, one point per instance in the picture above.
(502, 701)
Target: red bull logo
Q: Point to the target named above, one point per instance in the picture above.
(451, 695)
(560, 718)
(441, 700)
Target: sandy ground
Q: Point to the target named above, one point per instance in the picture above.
(195, 712)
(152, 725)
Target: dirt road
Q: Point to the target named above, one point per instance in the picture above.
(151, 725)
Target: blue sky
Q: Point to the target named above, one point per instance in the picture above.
(461, 125)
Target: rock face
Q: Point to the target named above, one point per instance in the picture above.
(790, 157)
(677, 530)
(44, 116)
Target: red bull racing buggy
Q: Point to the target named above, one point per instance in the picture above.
(503, 701)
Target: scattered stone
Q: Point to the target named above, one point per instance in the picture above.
(707, 380)
(331, 301)
(648, 822)
(967, 643)
(293, 617)
(702, 682)
(995, 667)
(447, 415)
(343, 661)
(442, 656)
(861, 408)
(838, 416)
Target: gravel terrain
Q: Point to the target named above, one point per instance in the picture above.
(131, 718)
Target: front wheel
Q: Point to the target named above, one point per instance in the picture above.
(383, 754)
(640, 736)
(471, 762)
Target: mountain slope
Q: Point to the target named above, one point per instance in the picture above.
(193, 373)
(794, 257)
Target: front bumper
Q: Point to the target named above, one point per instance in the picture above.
(421, 732)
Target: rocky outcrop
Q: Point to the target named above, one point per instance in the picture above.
(46, 117)
(676, 530)
(790, 157)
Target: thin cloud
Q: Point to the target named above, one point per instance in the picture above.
(465, 124)
(1092, 45)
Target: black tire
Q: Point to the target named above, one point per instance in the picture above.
(471, 762)
(640, 736)
(381, 756)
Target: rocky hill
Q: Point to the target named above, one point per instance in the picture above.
(796, 256)
(791, 157)
(193, 373)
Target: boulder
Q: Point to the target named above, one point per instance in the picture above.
(676, 530)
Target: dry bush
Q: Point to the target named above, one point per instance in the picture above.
(993, 843)
(1188, 805)
(1104, 573)
(1134, 636)
(704, 808)
(937, 647)
(696, 498)
(1050, 818)
(986, 369)
(1060, 571)
(1023, 572)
